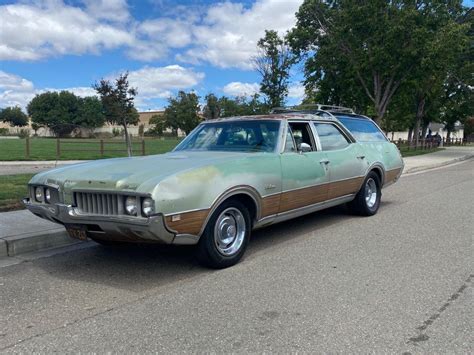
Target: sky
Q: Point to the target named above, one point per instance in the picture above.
(165, 45)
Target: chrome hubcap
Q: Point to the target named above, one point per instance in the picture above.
(229, 231)
(370, 193)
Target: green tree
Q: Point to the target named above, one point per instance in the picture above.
(242, 106)
(118, 102)
(182, 112)
(14, 116)
(212, 109)
(457, 95)
(57, 111)
(377, 43)
(90, 113)
(158, 123)
(443, 44)
(273, 62)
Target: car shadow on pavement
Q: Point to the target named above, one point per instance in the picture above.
(141, 267)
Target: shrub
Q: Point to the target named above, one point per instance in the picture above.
(24, 133)
(116, 132)
(4, 131)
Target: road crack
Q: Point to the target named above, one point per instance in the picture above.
(421, 336)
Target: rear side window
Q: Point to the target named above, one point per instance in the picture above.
(330, 137)
(363, 130)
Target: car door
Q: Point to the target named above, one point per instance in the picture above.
(346, 163)
(304, 173)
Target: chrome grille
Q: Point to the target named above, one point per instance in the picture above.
(98, 203)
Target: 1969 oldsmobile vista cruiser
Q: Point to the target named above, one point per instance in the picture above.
(226, 178)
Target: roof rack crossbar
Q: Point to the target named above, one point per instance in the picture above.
(319, 107)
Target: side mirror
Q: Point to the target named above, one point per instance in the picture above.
(304, 148)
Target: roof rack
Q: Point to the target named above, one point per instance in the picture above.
(311, 108)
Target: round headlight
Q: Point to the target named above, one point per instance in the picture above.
(39, 194)
(131, 205)
(148, 206)
(47, 195)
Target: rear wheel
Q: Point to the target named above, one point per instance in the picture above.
(226, 236)
(367, 200)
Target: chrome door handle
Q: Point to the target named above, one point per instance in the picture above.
(324, 161)
(361, 157)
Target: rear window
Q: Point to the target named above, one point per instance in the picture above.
(364, 130)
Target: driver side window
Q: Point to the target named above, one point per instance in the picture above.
(301, 132)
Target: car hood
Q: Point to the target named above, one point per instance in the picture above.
(129, 173)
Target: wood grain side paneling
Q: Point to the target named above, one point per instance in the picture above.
(391, 175)
(270, 205)
(190, 222)
(344, 187)
(303, 197)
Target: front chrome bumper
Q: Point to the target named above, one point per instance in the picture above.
(120, 228)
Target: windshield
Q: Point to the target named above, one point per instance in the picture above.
(237, 136)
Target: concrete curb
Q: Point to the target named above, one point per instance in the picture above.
(438, 165)
(31, 242)
(55, 238)
(41, 162)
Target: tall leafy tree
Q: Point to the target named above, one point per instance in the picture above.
(273, 62)
(118, 103)
(90, 113)
(63, 112)
(242, 106)
(374, 42)
(212, 109)
(457, 95)
(56, 110)
(444, 40)
(14, 116)
(182, 112)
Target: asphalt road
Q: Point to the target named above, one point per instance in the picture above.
(398, 282)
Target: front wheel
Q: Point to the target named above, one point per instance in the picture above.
(226, 236)
(367, 200)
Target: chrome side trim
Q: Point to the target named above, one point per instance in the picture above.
(323, 183)
(185, 211)
(284, 216)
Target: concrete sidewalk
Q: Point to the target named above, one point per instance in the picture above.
(448, 156)
(22, 232)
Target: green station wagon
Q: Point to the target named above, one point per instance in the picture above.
(226, 178)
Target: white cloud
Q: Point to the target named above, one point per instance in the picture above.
(151, 82)
(112, 10)
(159, 82)
(175, 33)
(296, 91)
(223, 34)
(47, 28)
(229, 34)
(236, 88)
(15, 90)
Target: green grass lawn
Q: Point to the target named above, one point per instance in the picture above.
(78, 149)
(411, 152)
(13, 189)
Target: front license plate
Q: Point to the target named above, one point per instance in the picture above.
(77, 232)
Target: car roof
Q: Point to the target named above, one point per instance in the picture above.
(293, 116)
